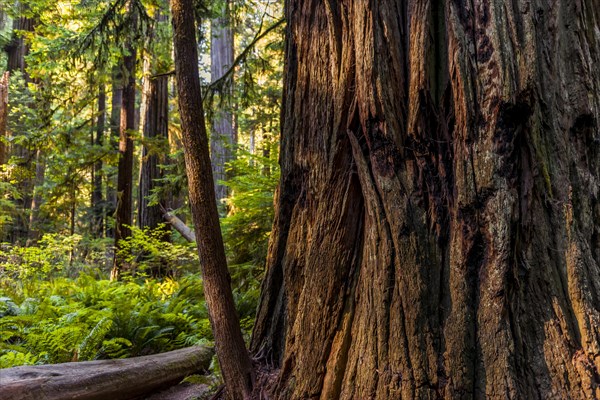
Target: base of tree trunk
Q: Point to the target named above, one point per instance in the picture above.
(103, 379)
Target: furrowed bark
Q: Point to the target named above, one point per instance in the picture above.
(234, 360)
(438, 215)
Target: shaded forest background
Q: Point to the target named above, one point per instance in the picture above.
(92, 170)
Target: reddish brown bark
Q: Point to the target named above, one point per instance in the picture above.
(123, 214)
(233, 358)
(222, 136)
(97, 199)
(115, 120)
(155, 125)
(438, 216)
(3, 117)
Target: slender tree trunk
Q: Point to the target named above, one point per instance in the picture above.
(438, 216)
(234, 359)
(223, 133)
(38, 183)
(97, 195)
(115, 119)
(3, 118)
(125, 173)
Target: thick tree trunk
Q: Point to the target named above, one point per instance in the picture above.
(438, 217)
(123, 213)
(233, 358)
(222, 132)
(97, 195)
(104, 379)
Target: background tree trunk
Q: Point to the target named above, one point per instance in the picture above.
(16, 51)
(155, 125)
(3, 118)
(438, 217)
(123, 213)
(230, 347)
(222, 133)
(35, 229)
(115, 119)
(98, 204)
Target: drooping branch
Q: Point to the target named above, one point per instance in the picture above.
(180, 226)
(218, 83)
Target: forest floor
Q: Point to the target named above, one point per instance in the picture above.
(184, 391)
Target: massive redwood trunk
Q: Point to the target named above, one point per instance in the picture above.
(437, 232)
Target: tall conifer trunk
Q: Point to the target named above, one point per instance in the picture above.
(98, 204)
(223, 132)
(4, 118)
(16, 50)
(438, 217)
(115, 120)
(123, 213)
(231, 350)
(155, 124)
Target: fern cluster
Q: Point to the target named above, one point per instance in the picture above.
(85, 319)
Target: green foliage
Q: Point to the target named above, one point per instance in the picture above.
(250, 207)
(52, 255)
(147, 251)
(56, 304)
(8, 192)
(85, 319)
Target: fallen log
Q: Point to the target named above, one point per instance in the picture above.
(187, 233)
(103, 379)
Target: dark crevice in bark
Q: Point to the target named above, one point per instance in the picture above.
(346, 317)
(268, 336)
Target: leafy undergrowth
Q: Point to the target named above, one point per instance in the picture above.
(62, 319)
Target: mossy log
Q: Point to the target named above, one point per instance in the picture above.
(103, 379)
